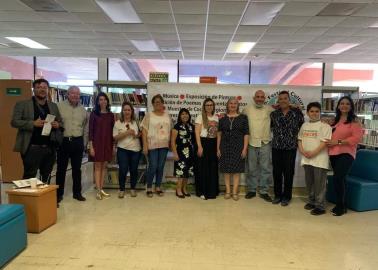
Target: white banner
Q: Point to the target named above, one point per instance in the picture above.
(191, 96)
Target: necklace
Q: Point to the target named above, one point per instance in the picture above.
(231, 121)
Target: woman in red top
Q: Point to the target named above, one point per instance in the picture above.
(346, 134)
(101, 124)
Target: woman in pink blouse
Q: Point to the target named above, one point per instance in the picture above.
(346, 134)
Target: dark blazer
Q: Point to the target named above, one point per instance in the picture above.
(22, 119)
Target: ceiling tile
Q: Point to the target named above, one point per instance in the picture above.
(281, 30)
(79, 6)
(324, 21)
(20, 16)
(314, 31)
(148, 7)
(283, 20)
(227, 8)
(370, 10)
(190, 19)
(223, 20)
(302, 8)
(12, 5)
(156, 18)
(185, 28)
(92, 18)
(189, 7)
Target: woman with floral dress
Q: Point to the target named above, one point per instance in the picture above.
(182, 143)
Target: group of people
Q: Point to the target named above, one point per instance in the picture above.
(258, 137)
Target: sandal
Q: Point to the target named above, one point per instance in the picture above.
(159, 193)
(227, 196)
(235, 197)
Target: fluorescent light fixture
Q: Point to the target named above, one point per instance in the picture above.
(259, 13)
(240, 47)
(145, 45)
(119, 11)
(374, 25)
(27, 42)
(338, 48)
(170, 49)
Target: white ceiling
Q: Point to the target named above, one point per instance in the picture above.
(84, 30)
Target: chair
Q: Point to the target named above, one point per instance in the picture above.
(13, 235)
(361, 182)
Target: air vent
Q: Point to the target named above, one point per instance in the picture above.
(44, 5)
(284, 51)
(340, 9)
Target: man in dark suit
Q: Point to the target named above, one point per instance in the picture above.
(37, 151)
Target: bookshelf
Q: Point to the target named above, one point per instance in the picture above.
(367, 109)
(331, 95)
(58, 94)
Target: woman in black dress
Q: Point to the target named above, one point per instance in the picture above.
(182, 143)
(232, 146)
(206, 176)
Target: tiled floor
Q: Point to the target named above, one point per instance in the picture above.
(171, 233)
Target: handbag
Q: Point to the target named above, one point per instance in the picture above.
(56, 137)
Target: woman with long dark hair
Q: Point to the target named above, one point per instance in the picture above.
(206, 128)
(126, 132)
(182, 144)
(346, 134)
(100, 144)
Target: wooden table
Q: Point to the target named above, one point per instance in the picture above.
(40, 206)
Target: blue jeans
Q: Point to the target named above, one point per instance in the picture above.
(259, 167)
(127, 160)
(156, 162)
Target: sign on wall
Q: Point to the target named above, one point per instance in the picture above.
(191, 96)
(159, 77)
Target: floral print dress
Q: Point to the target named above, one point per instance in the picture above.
(183, 168)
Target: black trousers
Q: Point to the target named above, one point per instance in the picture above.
(341, 165)
(39, 157)
(71, 148)
(283, 162)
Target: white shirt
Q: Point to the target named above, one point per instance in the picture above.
(311, 134)
(212, 129)
(158, 130)
(259, 124)
(129, 142)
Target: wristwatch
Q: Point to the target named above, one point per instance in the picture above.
(339, 141)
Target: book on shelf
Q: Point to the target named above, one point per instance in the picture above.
(133, 98)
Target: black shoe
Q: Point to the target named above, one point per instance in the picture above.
(182, 196)
(250, 195)
(309, 206)
(266, 197)
(276, 201)
(338, 211)
(284, 203)
(79, 197)
(59, 199)
(317, 211)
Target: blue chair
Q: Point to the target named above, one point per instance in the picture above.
(13, 235)
(361, 182)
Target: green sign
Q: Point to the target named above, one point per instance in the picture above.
(159, 76)
(13, 91)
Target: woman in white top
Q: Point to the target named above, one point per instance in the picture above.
(206, 128)
(156, 130)
(126, 133)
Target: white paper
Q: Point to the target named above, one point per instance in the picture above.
(47, 126)
(26, 182)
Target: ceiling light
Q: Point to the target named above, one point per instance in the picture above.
(340, 9)
(28, 42)
(259, 13)
(374, 25)
(145, 45)
(338, 48)
(119, 11)
(240, 47)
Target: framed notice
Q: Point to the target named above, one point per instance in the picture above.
(159, 76)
